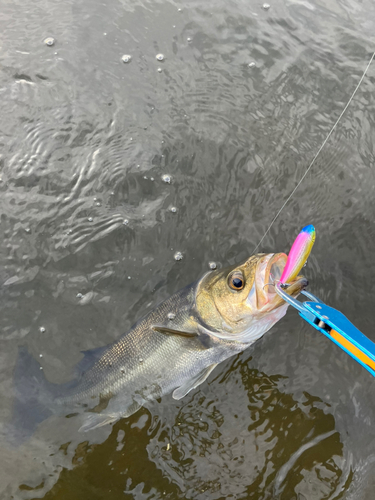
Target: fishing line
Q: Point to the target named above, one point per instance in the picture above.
(317, 154)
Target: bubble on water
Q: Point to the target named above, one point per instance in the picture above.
(189, 39)
(174, 26)
(251, 64)
(141, 360)
(171, 316)
(42, 329)
(173, 209)
(105, 34)
(79, 295)
(166, 178)
(41, 368)
(98, 203)
(126, 58)
(212, 265)
(152, 179)
(125, 222)
(122, 370)
(160, 57)
(179, 10)
(129, 277)
(178, 256)
(49, 41)
(40, 355)
(90, 219)
(145, 177)
(159, 70)
(28, 230)
(266, 6)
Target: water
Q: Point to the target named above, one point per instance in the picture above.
(244, 100)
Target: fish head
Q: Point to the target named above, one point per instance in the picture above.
(240, 302)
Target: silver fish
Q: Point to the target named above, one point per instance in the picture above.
(174, 348)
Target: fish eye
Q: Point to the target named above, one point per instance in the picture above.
(236, 281)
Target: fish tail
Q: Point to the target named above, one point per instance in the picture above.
(33, 396)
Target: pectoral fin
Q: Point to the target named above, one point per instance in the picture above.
(191, 384)
(203, 337)
(171, 331)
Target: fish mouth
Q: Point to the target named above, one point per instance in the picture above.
(268, 273)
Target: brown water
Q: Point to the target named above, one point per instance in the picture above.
(85, 141)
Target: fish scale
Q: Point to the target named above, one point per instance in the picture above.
(144, 354)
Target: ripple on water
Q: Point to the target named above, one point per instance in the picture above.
(222, 435)
(62, 199)
(239, 435)
(237, 137)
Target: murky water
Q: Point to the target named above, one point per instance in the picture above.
(110, 170)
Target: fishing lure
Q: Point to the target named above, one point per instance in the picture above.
(298, 254)
(327, 320)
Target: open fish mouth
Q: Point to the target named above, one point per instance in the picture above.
(268, 273)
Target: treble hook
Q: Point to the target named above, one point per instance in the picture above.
(276, 283)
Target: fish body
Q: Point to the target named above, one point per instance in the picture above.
(145, 363)
(173, 349)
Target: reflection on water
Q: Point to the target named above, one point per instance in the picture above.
(244, 99)
(241, 437)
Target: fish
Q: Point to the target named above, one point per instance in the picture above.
(299, 253)
(173, 349)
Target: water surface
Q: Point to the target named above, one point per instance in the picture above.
(234, 113)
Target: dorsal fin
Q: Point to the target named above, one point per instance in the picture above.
(90, 357)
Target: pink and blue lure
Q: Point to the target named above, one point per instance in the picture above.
(298, 254)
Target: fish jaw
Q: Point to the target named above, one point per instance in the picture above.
(267, 275)
(269, 307)
(260, 324)
(269, 269)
